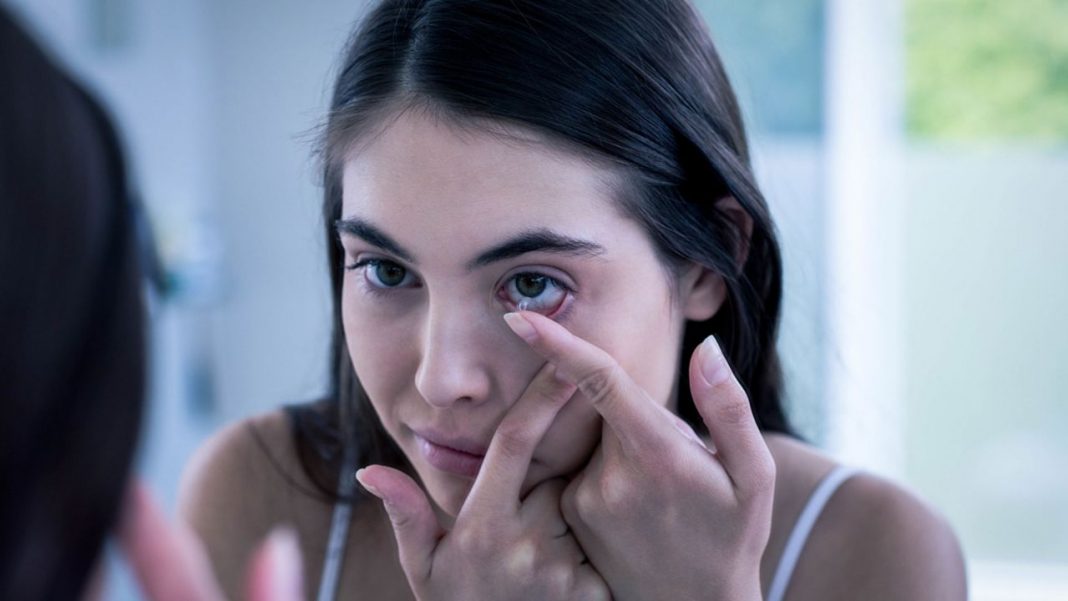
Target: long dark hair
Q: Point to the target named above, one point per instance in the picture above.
(71, 319)
(636, 83)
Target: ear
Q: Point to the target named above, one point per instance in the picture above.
(743, 223)
(702, 291)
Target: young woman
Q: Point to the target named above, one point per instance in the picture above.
(556, 293)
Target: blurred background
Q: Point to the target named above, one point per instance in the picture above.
(914, 152)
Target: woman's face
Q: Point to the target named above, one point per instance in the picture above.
(446, 230)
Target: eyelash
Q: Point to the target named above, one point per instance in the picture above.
(378, 291)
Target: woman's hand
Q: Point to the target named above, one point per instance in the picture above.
(500, 546)
(170, 563)
(658, 514)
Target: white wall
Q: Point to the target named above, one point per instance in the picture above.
(986, 341)
(272, 67)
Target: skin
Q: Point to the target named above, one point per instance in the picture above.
(426, 336)
(435, 352)
(440, 353)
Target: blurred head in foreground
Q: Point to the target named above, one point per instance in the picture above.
(71, 326)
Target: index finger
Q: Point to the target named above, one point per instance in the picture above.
(636, 419)
(500, 479)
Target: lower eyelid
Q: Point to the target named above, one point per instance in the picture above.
(564, 311)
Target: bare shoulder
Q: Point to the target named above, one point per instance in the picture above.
(879, 541)
(239, 461)
(890, 544)
(240, 484)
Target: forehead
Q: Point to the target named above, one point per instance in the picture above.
(427, 181)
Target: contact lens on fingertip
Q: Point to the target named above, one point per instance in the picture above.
(523, 304)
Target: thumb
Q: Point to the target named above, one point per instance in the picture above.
(414, 523)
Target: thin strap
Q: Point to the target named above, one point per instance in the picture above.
(799, 536)
(339, 532)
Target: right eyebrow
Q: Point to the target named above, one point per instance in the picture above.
(372, 235)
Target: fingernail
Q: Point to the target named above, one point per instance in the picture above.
(370, 488)
(286, 578)
(521, 326)
(713, 365)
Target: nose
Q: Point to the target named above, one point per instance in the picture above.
(454, 362)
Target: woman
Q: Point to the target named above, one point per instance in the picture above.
(535, 212)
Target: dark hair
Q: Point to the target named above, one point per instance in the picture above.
(634, 83)
(71, 313)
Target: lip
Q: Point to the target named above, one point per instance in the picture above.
(456, 455)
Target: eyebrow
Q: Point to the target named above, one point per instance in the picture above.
(534, 240)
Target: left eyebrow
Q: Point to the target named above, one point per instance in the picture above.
(538, 240)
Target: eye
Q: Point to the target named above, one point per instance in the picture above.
(381, 273)
(534, 292)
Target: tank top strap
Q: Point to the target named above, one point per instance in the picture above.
(339, 531)
(800, 533)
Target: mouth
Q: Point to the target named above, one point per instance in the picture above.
(455, 455)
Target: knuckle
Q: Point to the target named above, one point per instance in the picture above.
(513, 439)
(470, 541)
(400, 520)
(590, 587)
(586, 504)
(599, 385)
(551, 389)
(734, 412)
(759, 483)
(561, 580)
(521, 559)
(617, 492)
(764, 477)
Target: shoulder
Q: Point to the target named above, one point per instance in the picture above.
(880, 540)
(239, 484)
(889, 544)
(240, 459)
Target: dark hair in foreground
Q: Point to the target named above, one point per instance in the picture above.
(71, 318)
(636, 84)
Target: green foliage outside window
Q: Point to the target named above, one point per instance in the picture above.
(987, 69)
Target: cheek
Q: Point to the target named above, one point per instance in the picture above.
(378, 349)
